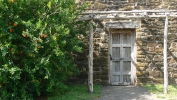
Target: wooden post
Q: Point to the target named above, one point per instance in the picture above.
(90, 59)
(165, 56)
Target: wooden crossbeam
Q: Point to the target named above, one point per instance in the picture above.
(133, 11)
(126, 14)
(122, 17)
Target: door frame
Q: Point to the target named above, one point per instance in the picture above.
(133, 54)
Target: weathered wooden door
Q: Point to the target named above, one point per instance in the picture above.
(120, 57)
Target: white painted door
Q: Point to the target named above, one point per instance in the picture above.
(120, 57)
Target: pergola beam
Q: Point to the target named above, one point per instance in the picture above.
(126, 14)
(133, 11)
(122, 17)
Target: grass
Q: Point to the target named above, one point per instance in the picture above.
(158, 90)
(78, 92)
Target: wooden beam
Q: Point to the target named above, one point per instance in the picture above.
(165, 56)
(133, 11)
(90, 59)
(122, 17)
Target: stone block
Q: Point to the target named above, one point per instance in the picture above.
(141, 53)
(156, 74)
(160, 64)
(96, 54)
(173, 45)
(140, 59)
(159, 46)
(151, 44)
(141, 68)
(104, 45)
(96, 77)
(143, 79)
(131, 1)
(141, 43)
(171, 35)
(104, 77)
(172, 60)
(150, 37)
(151, 49)
(142, 48)
(152, 65)
(96, 73)
(173, 81)
(104, 50)
(158, 58)
(96, 69)
(170, 69)
(141, 64)
(175, 75)
(140, 73)
(140, 56)
(98, 5)
(158, 80)
(174, 54)
(158, 50)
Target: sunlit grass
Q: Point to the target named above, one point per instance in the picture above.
(78, 92)
(158, 90)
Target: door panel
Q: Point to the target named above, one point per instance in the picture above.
(116, 66)
(127, 52)
(116, 53)
(126, 66)
(115, 38)
(121, 58)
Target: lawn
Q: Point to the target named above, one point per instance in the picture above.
(78, 92)
(158, 90)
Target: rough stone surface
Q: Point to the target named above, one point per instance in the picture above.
(149, 40)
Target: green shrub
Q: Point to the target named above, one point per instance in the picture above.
(37, 42)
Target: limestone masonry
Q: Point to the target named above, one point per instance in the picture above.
(149, 41)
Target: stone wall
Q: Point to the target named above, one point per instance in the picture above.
(149, 40)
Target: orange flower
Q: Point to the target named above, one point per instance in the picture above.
(15, 24)
(39, 47)
(42, 35)
(12, 0)
(12, 52)
(24, 35)
(38, 41)
(11, 30)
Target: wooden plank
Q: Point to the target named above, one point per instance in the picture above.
(109, 57)
(165, 56)
(133, 54)
(133, 11)
(123, 25)
(90, 59)
(122, 59)
(120, 45)
(120, 31)
(123, 73)
(123, 17)
(111, 60)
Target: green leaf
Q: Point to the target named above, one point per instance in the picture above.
(49, 4)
